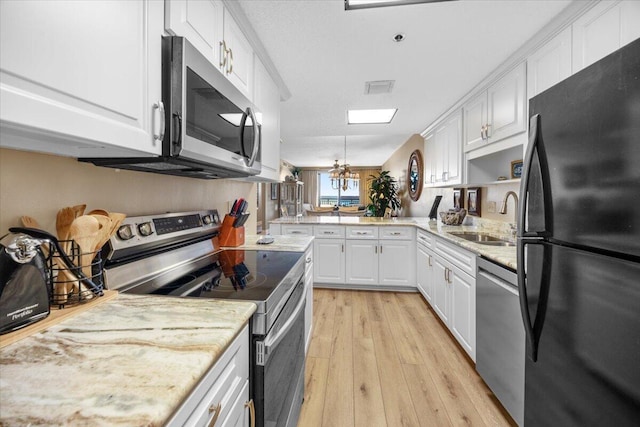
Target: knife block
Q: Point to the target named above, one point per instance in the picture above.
(230, 236)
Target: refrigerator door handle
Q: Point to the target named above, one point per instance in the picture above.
(535, 149)
(533, 331)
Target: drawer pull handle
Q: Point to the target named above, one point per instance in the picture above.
(429, 260)
(328, 232)
(395, 233)
(215, 410)
(308, 261)
(252, 412)
(296, 232)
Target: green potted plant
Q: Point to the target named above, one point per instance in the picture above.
(383, 194)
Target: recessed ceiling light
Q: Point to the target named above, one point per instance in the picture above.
(365, 4)
(358, 117)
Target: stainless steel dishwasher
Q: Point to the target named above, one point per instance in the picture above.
(500, 337)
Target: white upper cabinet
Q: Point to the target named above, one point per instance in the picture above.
(81, 79)
(201, 22)
(239, 58)
(603, 29)
(213, 31)
(550, 64)
(443, 152)
(267, 101)
(498, 112)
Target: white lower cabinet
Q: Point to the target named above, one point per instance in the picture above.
(396, 263)
(221, 398)
(308, 284)
(362, 262)
(329, 265)
(454, 292)
(424, 266)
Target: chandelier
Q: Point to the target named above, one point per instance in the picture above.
(341, 175)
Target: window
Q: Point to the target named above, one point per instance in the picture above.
(339, 197)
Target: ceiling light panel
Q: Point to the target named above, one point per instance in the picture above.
(380, 116)
(366, 4)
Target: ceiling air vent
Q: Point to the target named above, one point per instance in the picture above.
(378, 86)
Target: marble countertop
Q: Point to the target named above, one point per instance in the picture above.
(129, 361)
(344, 220)
(280, 243)
(504, 255)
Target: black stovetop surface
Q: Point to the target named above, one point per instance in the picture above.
(229, 274)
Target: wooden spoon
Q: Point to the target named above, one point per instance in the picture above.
(78, 210)
(63, 222)
(106, 224)
(85, 231)
(99, 212)
(30, 222)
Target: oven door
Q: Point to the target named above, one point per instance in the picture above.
(278, 378)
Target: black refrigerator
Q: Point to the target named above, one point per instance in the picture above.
(579, 241)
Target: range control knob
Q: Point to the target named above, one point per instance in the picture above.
(125, 232)
(145, 229)
(207, 219)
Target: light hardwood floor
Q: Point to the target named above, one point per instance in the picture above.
(384, 359)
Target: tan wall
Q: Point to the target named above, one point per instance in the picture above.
(397, 166)
(39, 184)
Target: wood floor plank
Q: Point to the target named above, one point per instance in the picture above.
(481, 396)
(315, 386)
(361, 380)
(429, 407)
(398, 406)
(368, 403)
(454, 375)
(323, 321)
(338, 407)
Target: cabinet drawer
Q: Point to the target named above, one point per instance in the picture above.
(298, 230)
(328, 231)
(461, 258)
(400, 233)
(358, 232)
(425, 239)
(220, 386)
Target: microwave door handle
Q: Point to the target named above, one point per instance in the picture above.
(256, 137)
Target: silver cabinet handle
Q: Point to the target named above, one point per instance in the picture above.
(159, 106)
(328, 232)
(215, 410)
(361, 233)
(395, 233)
(445, 274)
(482, 132)
(223, 54)
(486, 131)
(380, 248)
(342, 247)
(295, 232)
(429, 260)
(376, 249)
(308, 260)
(445, 176)
(230, 65)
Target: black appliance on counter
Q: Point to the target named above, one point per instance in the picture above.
(579, 248)
(24, 282)
(178, 255)
(209, 129)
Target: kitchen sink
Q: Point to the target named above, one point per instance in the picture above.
(482, 238)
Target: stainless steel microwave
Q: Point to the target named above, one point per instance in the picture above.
(211, 129)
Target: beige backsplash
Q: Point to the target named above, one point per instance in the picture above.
(38, 185)
(397, 165)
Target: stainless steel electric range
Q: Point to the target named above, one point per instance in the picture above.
(178, 255)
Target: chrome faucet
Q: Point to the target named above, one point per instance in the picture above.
(503, 208)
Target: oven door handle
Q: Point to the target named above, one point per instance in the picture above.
(273, 341)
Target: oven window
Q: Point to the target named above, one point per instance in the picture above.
(212, 118)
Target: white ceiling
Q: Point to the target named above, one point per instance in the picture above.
(326, 54)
